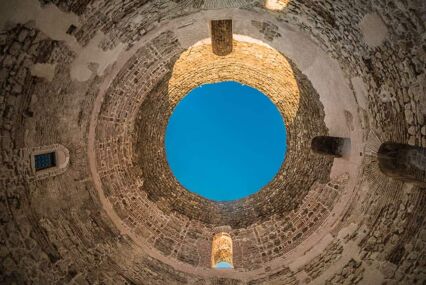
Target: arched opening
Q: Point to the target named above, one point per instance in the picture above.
(225, 141)
(49, 160)
(403, 162)
(222, 251)
(333, 146)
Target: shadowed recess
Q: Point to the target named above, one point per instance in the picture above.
(276, 5)
(225, 141)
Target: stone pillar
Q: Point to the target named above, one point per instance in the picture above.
(333, 146)
(222, 249)
(403, 162)
(221, 31)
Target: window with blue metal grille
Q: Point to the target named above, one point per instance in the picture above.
(45, 160)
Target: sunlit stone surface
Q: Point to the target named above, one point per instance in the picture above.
(276, 4)
(222, 253)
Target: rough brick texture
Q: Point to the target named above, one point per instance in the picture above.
(118, 216)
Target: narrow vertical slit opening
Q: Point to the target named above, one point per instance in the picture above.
(222, 251)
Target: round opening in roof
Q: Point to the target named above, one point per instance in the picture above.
(225, 141)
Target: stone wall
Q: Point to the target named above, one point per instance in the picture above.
(143, 181)
(327, 227)
(22, 47)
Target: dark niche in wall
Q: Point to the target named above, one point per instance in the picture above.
(403, 162)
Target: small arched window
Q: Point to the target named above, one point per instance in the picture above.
(48, 161)
(222, 251)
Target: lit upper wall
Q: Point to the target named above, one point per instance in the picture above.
(221, 249)
(251, 62)
(276, 5)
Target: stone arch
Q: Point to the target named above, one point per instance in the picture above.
(222, 249)
(403, 162)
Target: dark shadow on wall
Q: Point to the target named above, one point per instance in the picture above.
(403, 162)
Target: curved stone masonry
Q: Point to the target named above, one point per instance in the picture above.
(270, 74)
(144, 181)
(365, 60)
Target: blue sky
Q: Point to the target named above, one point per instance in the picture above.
(223, 265)
(225, 141)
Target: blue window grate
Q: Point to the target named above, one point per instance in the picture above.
(45, 160)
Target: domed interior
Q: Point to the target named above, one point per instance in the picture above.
(87, 88)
